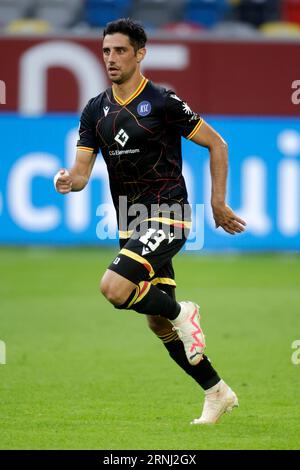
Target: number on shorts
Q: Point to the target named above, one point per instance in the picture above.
(158, 238)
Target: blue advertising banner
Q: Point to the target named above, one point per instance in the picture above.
(263, 186)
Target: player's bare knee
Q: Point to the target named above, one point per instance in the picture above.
(113, 292)
(109, 291)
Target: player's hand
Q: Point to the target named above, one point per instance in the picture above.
(63, 181)
(227, 219)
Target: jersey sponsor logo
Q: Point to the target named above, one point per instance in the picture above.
(114, 153)
(121, 137)
(106, 109)
(144, 108)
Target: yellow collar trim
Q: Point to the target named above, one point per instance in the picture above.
(139, 90)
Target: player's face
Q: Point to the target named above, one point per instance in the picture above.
(120, 58)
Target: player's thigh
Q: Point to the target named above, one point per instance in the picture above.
(116, 288)
(147, 251)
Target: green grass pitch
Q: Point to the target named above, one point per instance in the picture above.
(82, 375)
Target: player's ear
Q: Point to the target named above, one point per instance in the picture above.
(140, 54)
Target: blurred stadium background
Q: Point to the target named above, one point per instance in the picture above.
(236, 63)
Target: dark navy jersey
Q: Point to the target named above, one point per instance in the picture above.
(140, 140)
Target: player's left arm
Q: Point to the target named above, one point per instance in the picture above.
(223, 215)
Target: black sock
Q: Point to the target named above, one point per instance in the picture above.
(203, 373)
(150, 300)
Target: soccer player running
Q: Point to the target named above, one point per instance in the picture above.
(138, 125)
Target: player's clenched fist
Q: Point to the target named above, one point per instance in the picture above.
(62, 181)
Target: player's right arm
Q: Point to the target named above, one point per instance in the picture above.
(78, 176)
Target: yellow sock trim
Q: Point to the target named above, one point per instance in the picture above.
(141, 291)
(166, 338)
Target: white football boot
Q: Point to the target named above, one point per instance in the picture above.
(187, 326)
(219, 399)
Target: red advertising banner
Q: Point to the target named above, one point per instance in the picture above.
(215, 77)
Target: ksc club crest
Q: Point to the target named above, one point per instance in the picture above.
(144, 108)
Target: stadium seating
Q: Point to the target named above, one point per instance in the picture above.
(206, 12)
(157, 13)
(280, 29)
(257, 12)
(291, 11)
(14, 9)
(100, 12)
(224, 18)
(233, 29)
(28, 26)
(183, 28)
(59, 13)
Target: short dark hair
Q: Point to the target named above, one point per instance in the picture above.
(130, 28)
